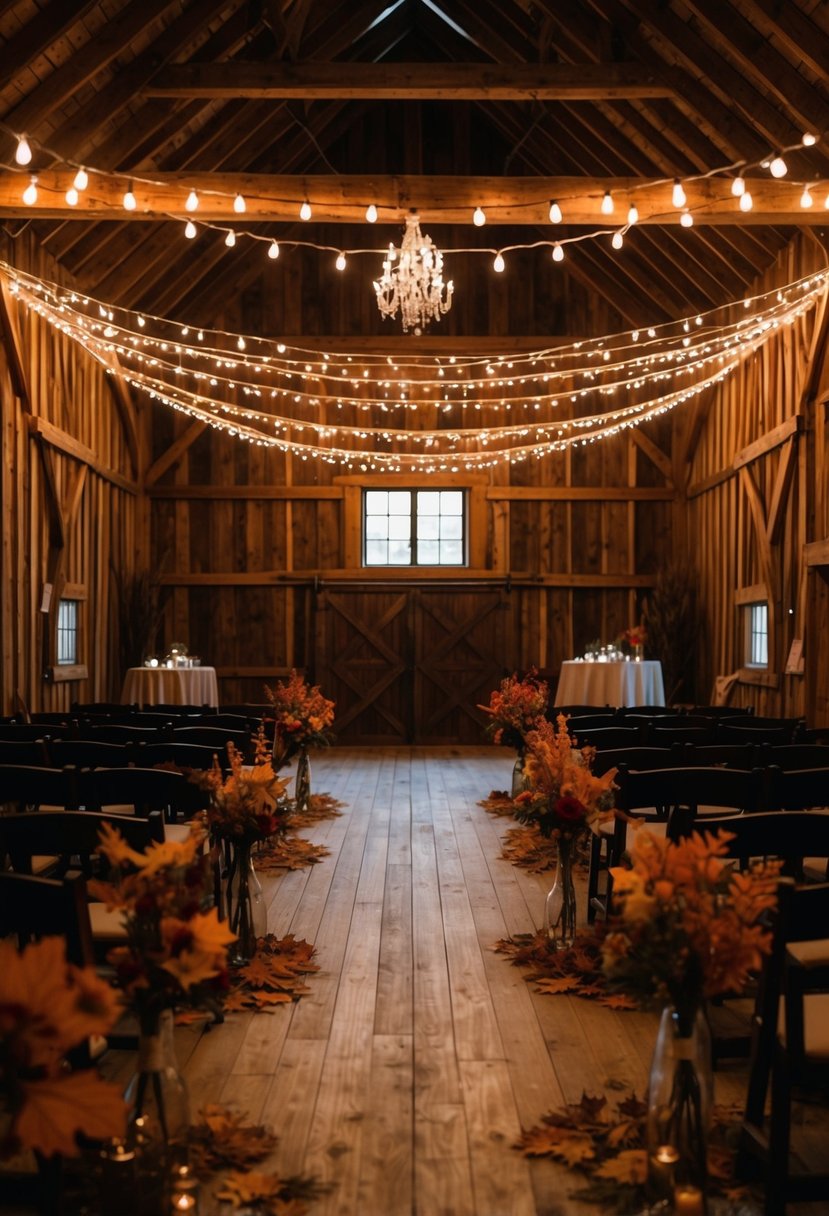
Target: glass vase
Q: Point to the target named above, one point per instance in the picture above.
(560, 906)
(247, 913)
(302, 781)
(680, 1092)
(159, 1113)
(518, 780)
(638, 653)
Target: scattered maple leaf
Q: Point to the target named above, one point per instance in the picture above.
(263, 999)
(627, 1132)
(555, 1141)
(564, 983)
(633, 1107)
(630, 1167)
(57, 1108)
(618, 1000)
(223, 1139)
(591, 1110)
(247, 1187)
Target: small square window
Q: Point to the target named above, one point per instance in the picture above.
(757, 635)
(67, 639)
(414, 528)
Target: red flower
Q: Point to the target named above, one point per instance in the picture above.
(570, 809)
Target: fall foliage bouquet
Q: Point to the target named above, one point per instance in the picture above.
(302, 716)
(688, 925)
(516, 707)
(633, 636)
(564, 798)
(176, 949)
(47, 1007)
(248, 805)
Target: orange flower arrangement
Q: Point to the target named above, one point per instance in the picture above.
(176, 951)
(47, 1007)
(516, 707)
(689, 926)
(564, 797)
(247, 805)
(303, 716)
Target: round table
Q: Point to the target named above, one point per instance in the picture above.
(147, 686)
(616, 683)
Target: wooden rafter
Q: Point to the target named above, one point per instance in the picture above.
(408, 81)
(445, 199)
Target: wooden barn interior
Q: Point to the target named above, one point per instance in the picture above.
(190, 425)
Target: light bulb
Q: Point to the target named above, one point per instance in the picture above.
(30, 193)
(71, 196)
(809, 139)
(305, 211)
(371, 214)
(81, 179)
(499, 263)
(607, 203)
(23, 153)
(633, 213)
(340, 262)
(777, 166)
(189, 230)
(478, 217)
(686, 219)
(617, 240)
(558, 253)
(746, 201)
(806, 199)
(239, 205)
(240, 342)
(555, 213)
(738, 186)
(273, 250)
(192, 202)
(230, 239)
(678, 196)
(128, 201)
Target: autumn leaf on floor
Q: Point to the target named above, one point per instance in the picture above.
(564, 1143)
(564, 983)
(630, 1167)
(499, 802)
(274, 976)
(527, 848)
(269, 1193)
(224, 1140)
(289, 852)
(573, 972)
(320, 806)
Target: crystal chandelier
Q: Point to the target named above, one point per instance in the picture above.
(412, 280)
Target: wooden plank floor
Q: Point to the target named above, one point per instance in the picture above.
(405, 1076)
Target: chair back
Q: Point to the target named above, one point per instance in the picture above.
(635, 758)
(722, 755)
(182, 755)
(577, 724)
(660, 735)
(68, 835)
(117, 733)
(89, 753)
(608, 736)
(798, 790)
(797, 755)
(216, 737)
(24, 751)
(142, 789)
(18, 731)
(774, 735)
(29, 786)
(789, 835)
(31, 908)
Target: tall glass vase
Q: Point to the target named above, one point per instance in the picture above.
(247, 913)
(518, 781)
(159, 1112)
(560, 906)
(302, 781)
(680, 1090)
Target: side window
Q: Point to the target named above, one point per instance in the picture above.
(413, 527)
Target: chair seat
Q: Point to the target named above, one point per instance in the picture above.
(815, 1027)
(42, 865)
(810, 954)
(107, 924)
(178, 833)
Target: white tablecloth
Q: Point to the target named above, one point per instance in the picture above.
(622, 683)
(170, 686)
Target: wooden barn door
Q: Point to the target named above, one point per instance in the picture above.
(409, 665)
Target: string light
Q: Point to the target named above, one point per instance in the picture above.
(555, 213)
(686, 219)
(23, 151)
(72, 196)
(778, 166)
(558, 252)
(806, 199)
(128, 201)
(478, 217)
(239, 205)
(633, 214)
(340, 262)
(371, 214)
(273, 250)
(678, 195)
(305, 211)
(190, 230)
(81, 179)
(746, 201)
(230, 239)
(607, 205)
(192, 201)
(30, 193)
(809, 139)
(738, 186)
(617, 240)
(499, 264)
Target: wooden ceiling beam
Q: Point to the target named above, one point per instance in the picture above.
(39, 33)
(408, 81)
(441, 199)
(802, 38)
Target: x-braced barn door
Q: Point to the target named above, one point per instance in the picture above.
(410, 665)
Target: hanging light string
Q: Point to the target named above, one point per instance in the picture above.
(204, 379)
(774, 162)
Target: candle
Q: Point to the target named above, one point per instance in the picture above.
(185, 1203)
(666, 1154)
(688, 1201)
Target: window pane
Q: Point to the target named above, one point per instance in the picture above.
(451, 527)
(428, 553)
(377, 527)
(377, 553)
(377, 502)
(428, 527)
(400, 502)
(67, 633)
(758, 642)
(400, 553)
(451, 553)
(451, 502)
(428, 502)
(400, 527)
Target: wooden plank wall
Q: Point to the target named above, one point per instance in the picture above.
(67, 468)
(763, 442)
